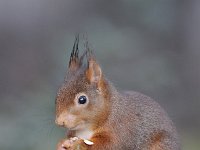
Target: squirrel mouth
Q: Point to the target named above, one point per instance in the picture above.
(79, 126)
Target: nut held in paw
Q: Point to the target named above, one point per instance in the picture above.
(88, 142)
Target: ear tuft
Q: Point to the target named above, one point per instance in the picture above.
(93, 71)
(74, 62)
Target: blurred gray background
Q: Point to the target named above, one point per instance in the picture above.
(151, 46)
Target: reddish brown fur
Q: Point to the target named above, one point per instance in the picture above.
(118, 120)
(156, 141)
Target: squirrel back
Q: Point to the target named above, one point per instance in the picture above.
(93, 109)
(146, 124)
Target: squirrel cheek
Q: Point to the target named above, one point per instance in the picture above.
(70, 121)
(70, 118)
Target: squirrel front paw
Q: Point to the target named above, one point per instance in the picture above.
(73, 143)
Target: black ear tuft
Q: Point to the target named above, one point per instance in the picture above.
(75, 51)
(74, 62)
(89, 52)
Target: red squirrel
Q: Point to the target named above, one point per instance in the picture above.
(99, 117)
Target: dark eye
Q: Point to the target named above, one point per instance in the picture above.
(82, 99)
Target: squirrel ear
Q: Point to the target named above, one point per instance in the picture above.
(93, 72)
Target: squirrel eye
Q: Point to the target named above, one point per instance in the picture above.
(82, 99)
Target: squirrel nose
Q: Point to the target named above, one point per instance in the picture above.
(67, 120)
(59, 122)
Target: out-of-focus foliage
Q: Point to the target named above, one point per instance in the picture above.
(151, 46)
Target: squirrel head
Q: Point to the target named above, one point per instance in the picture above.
(83, 100)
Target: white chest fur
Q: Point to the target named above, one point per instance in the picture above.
(84, 134)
